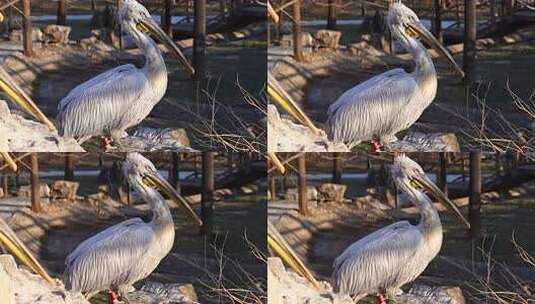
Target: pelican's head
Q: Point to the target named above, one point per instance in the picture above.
(404, 23)
(410, 178)
(17, 95)
(138, 18)
(141, 173)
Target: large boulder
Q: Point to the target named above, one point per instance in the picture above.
(64, 190)
(307, 40)
(328, 38)
(17, 35)
(26, 191)
(329, 192)
(423, 294)
(56, 33)
(159, 293)
(292, 194)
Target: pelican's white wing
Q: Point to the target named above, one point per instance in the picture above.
(102, 103)
(109, 257)
(374, 261)
(372, 108)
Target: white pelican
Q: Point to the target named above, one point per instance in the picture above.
(390, 257)
(388, 103)
(127, 252)
(122, 97)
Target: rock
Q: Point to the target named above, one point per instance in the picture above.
(286, 136)
(26, 191)
(32, 136)
(159, 293)
(422, 142)
(423, 294)
(16, 35)
(56, 33)
(6, 291)
(286, 287)
(64, 190)
(29, 288)
(292, 195)
(87, 43)
(328, 38)
(329, 192)
(307, 40)
(152, 139)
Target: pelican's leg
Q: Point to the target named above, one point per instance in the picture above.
(376, 145)
(381, 298)
(113, 297)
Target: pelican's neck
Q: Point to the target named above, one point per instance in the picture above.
(429, 218)
(424, 70)
(154, 67)
(161, 215)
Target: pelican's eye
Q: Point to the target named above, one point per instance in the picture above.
(142, 27)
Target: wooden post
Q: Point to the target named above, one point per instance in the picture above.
(27, 28)
(337, 168)
(69, 167)
(93, 5)
(199, 40)
(492, 11)
(4, 184)
(174, 176)
(474, 211)
(273, 187)
(207, 200)
(442, 181)
(302, 185)
(35, 189)
(298, 41)
(166, 20)
(437, 24)
(331, 15)
(62, 12)
(470, 37)
(120, 28)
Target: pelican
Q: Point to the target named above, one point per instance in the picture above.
(122, 97)
(127, 252)
(386, 104)
(390, 257)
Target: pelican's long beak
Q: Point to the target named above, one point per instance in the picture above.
(424, 182)
(12, 243)
(150, 26)
(8, 85)
(159, 182)
(10, 162)
(420, 30)
(279, 246)
(276, 92)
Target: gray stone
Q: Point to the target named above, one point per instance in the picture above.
(329, 192)
(54, 33)
(307, 40)
(26, 191)
(16, 35)
(423, 294)
(64, 190)
(328, 38)
(292, 194)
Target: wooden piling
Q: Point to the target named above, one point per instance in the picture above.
(166, 20)
(337, 168)
(199, 40)
(302, 185)
(35, 185)
(69, 167)
(62, 12)
(470, 37)
(207, 199)
(27, 28)
(474, 211)
(174, 172)
(298, 41)
(437, 21)
(273, 187)
(331, 15)
(442, 174)
(4, 184)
